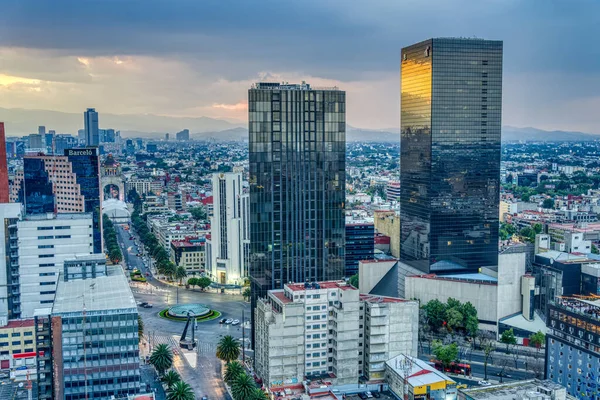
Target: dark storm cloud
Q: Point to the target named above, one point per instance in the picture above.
(337, 39)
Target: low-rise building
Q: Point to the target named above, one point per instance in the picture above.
(419, 380)
(18, 348)
(531, 389)
(189, 253)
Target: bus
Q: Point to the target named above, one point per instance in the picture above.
(454, 368)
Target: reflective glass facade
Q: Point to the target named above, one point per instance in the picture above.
(36, 190)
(450, 153)
(86, 165)
(297, 185)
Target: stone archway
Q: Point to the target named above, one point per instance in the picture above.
(108, 181)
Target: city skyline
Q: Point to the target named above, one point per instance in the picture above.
(144, 63)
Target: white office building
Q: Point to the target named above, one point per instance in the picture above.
(10, 213)
(230, 236)
(45, 241)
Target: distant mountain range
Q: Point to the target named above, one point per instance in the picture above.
(21, 122)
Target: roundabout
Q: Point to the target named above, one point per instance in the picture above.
(179, 312)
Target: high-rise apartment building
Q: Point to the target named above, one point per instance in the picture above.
(10, 213)
(183, 135)
(4, 197)
(360, 244)
(37, 143)
(230, 236)
(297, 138)
(311, 330)
(450, 154)
(69, 183)
(92, 132)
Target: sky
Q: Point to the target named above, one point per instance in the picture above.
(198, 57)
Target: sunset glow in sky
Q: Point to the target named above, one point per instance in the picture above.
(198, 58)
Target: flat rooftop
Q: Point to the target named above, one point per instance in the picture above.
(512, 390)
(518, 321)
(59, 216)
(110, 292)
(565, 257)
(343, 285)
(373, 298)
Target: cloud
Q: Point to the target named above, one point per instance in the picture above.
(185, 57)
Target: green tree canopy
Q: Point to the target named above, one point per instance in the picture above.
(232, 371)
(180, 391)
(354, 280)
(228, 349)
(170, 378)
(508, 338)
(243, 387)
(537, 339)
(436, 312)
(162, 358)
(447, 354)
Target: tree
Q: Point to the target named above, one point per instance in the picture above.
(140, 327)
(198, 213)
(454, 318)
(595, 249)
(243, 387)
(548, 203)
(436, 312)
(161, 358)
(258, 394)
(537, 339)
(180, 273)
(203, 282)
(247, 293)
(508, 338)
(228, 349)
(170, 378)
(192, 282)
(354, 280)
(446, 354)
(232, 371)
(487, 343)
(181, 391)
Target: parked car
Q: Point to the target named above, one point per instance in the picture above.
(369, 395)
(223, 321)
(148, 305)
(142, 304)
(235, 322)
(484, 383)
(228, 321)
(362, 396)
(376, 395)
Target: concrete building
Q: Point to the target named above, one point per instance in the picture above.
(392, 191)
(389, 327)
(141, 186)
(388, 224)
(18, 348)
(495, 294)
(176, 201)
(84, 267)
(412, 377)
(183, 135)
(167, 231)
(4, 189)
(230, 231)
(307, 331)
(10, 306)
(45, 241)
(531, 389)
(102, 313)
(310, 331)
(189, 253)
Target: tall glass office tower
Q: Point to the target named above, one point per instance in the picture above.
(92, 133)
(450, 154)
(297, 184)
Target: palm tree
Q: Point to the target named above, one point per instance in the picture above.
(243, 387)
(180, 391)
(162, 358)
(246, 293)
(140, 328)
(170, 378)
(233, 370)
(228, 349)
(180, 273)
(258, 394)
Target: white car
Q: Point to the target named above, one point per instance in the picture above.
(228, 321)
(235, 322)
(484, 383)
(369, 395)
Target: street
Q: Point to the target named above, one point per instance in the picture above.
(205, 378)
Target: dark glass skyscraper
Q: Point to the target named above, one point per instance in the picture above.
(450, 154)
(297, 184)
(36, 192)
(92, 132)
(86, 166)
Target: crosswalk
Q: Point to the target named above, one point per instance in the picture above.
(202, 348)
